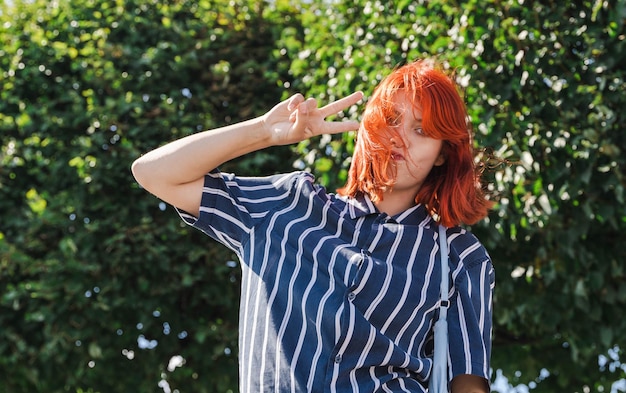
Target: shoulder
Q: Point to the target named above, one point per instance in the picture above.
(466, 249)
(305, 182)
(466, 245)
(290, 177)
(470, 263)
(281, 181)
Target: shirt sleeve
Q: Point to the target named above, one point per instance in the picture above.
(470, 313)
(231, 206)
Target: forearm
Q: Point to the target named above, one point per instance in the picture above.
(190, 158)
(175, 172)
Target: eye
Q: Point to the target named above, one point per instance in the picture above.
(393, 119)
(419, 130)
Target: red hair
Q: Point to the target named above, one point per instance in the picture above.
(452, 191)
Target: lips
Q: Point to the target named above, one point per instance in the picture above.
(397, 156)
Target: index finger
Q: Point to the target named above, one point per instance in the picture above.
(341, 104)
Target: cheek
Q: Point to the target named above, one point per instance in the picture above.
(427, 152)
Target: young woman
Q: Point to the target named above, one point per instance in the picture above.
(340, 290)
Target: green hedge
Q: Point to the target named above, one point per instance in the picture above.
(102, 289)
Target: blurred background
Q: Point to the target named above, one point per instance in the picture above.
(103, 289)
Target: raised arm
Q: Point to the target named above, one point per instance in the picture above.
(175, 172)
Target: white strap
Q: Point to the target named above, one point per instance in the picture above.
(439, 376)
(444, 288)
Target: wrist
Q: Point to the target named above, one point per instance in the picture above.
(260, 133)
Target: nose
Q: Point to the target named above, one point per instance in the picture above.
(397, 141)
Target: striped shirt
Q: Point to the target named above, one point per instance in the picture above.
(338, 297)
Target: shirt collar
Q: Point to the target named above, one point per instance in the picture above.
(416, 215)
(362, 205)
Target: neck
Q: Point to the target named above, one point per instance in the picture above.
(394, 203)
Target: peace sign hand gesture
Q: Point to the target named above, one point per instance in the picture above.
(297, 119)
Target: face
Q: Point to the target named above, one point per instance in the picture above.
(413, 153)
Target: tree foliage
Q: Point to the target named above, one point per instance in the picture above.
(101, 285)
(544, 82)
(102, 288)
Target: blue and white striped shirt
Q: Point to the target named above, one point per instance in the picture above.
(337, 297)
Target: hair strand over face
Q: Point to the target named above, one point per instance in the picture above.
(452, 191)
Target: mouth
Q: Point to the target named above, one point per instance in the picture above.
(397, 157)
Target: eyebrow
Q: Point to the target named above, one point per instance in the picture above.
(417, 116)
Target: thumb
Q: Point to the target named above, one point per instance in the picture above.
(301, 125)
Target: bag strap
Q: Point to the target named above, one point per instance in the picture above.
(439, 376)
(444, 286)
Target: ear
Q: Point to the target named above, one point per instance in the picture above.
(441, 159)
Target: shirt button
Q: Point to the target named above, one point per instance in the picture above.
(351, 296)
(338, 359)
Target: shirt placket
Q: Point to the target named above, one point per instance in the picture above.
(342, 360)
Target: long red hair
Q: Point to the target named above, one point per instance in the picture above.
(453, 191)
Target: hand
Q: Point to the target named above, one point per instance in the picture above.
(297, 119)
(466, 383)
